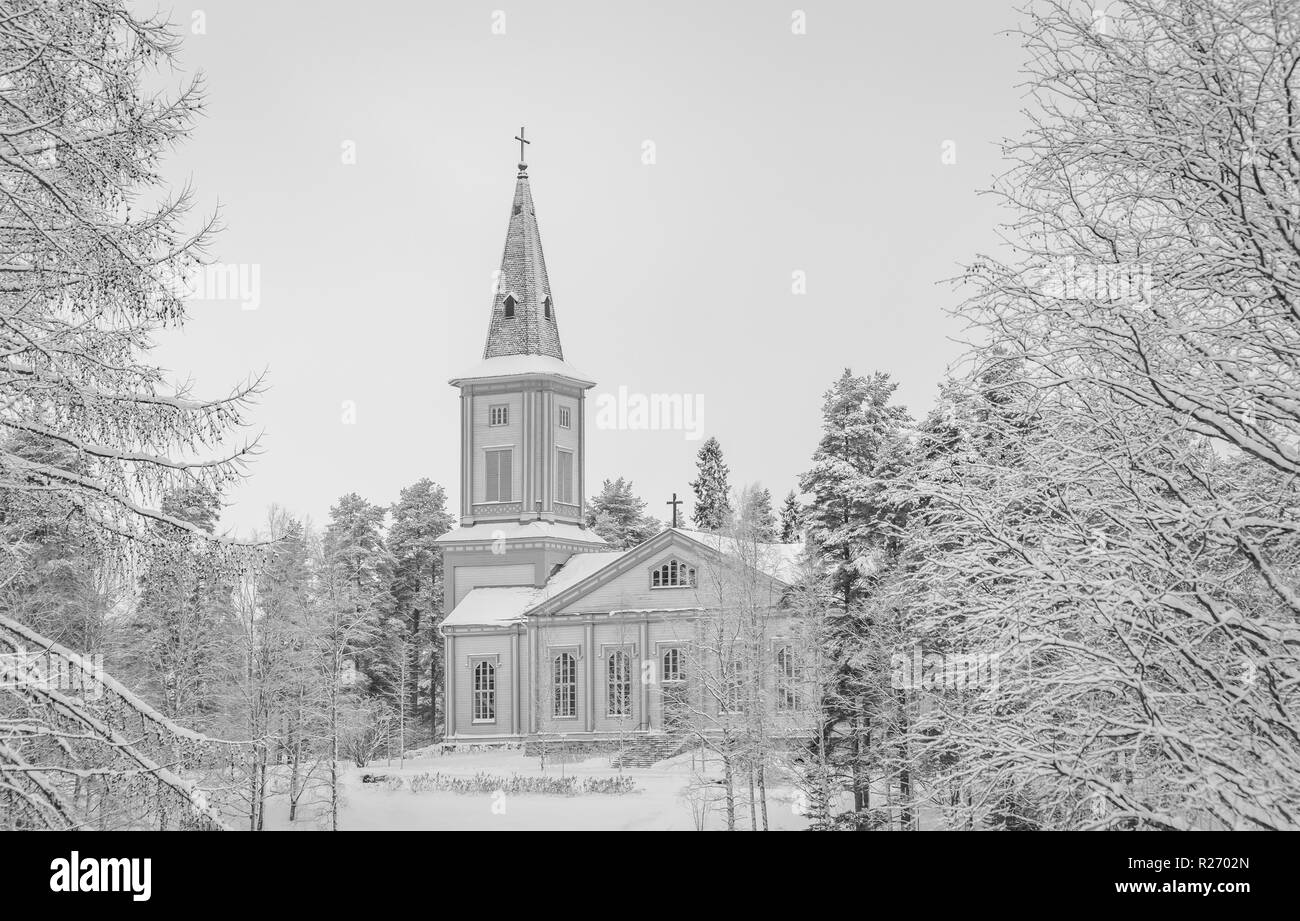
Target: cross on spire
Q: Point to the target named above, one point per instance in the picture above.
(522, 141)
(674, 503)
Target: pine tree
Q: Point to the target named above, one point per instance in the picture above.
(712, 495)
(617, 514)
(844, 531)
(791, 518)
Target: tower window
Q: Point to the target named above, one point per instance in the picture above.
(564, 476)
(499, 415)
(510, 306)
(546, 304)
(498, 485)
(565, 418)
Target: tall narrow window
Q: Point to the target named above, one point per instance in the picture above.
(498, 476)
(499, 415)
(485, 692)
(566, 419)
(564, 476)
(510, 306)
(564, 677)
(787, 680)
(618, 678)
(672, 663)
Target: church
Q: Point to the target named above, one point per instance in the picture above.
(550, 631)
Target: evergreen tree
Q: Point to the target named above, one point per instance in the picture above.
(420, 516)
(360, 575)
(179, 640)
(712, 495)
(791, 519)
(859, 427)
(617, 514)
(757, 515)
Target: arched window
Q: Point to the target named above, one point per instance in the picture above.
(618, 679)
(546, 305)
(673, 574)
(672, 664)
(787, 680)
(485, 692)
(510, 306)
(564, 677)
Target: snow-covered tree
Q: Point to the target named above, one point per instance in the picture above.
(618, 514)
(712, 494)
(791, 519)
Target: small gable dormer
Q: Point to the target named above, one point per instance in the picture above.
(509, 305)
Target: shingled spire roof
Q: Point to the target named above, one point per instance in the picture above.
(523, 313)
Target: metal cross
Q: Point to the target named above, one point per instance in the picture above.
(676, 502)
(522, 142)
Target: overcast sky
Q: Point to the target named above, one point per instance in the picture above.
(774, 152)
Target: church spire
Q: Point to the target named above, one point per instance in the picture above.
(523, 312)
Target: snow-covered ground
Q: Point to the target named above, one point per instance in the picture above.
(662, 800)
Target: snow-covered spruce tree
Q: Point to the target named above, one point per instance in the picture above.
(712, 495)
(844, 528)
(419, 517)
(756, 513)
(791, 519)
(618, 514)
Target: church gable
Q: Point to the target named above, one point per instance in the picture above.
(672, 571)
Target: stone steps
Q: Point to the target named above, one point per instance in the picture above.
(647, 751)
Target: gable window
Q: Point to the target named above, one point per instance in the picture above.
(564, 476)
(564, 677)
(673, 669)
(787, 680)
(618, 679)
(566, 420)
(499, 415)
(510, 306)
(498, 475)
(673, 574)
(546, 305)
(485, 692)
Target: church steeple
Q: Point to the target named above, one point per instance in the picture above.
(523, 311)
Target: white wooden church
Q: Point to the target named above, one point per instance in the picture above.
(550, 631)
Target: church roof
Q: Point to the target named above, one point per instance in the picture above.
(493, 605)
(523, 311)
(521, 366)
(516, 530)
(489, 606)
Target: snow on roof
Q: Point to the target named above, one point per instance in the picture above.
(521, 365)
(491, 606)
(780, 561)
(511, 530)
(495, 605)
